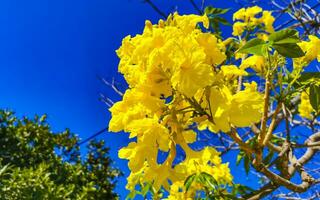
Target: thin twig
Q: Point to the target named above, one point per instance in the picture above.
(154, 7)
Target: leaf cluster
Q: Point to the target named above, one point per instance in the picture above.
(36, 163)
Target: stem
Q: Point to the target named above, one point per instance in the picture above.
(272, 125)
(266, 105)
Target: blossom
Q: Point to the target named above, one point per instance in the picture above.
(240, 109)
(305, 109)
(246, 106)
(311, 49)
(258, 63)
(238, 28)
(267, 19)
(232, 71)
(248, 20)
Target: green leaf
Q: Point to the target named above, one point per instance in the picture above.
(222, 21)
(304, 81)
(246, 163)
(268, 158)
(209, 10)
(240, 189)
(255, 46)
(189, 181)
(308, 77)
(239, 157)
(208, 180)
(146, 189)
(131, 195)
(4, 169)
(287, 36)
(289, 50)
(315, 97)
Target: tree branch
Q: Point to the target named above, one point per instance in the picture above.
(154, 7)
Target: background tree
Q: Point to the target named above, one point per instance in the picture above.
(36, 163)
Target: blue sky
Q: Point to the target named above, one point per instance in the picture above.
(52, 52)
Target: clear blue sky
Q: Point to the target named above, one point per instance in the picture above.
(52, 52)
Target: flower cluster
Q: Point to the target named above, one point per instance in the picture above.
(247, 19)
(312, 50)
(178, 83)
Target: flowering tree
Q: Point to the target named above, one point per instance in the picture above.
(251, 89)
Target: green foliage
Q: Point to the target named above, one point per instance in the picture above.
(309, 77)
(284, 42)
(212, 188)
(215, 20)
(240, 189)
(286, 36)
(309, 80)
(36, 163)
(289, 50)
(255, 46)
(315, 97)
(268, 157)
(189, 181)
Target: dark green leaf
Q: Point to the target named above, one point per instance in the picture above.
(268, 158)
(289, 50)
(208, 180)
(189, 181)
(239, 157)
(309, 77)
(315, 97)
(222, 21)
(287, 36)
(255, 46)
(241, 189)
(246, 163)
(209, 10)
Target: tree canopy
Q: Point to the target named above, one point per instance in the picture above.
(36, 163)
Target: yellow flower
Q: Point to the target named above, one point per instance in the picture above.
(305, 109)
(248, 20)
(188, 22)
(258, 63)
(136, 104)
(189, 136)
(134, 178)
(222, 172)
(251, 12)
(177, 191)
(238, 28)
(246, 106)
(137, 155)
(192, 74)
(232, 71)
(311, 49)
(208, 161)
(263, 36)
(219, 104)
(240, 14)
(241, 109)
(213, 48)
(247, 14)
(267, 19)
